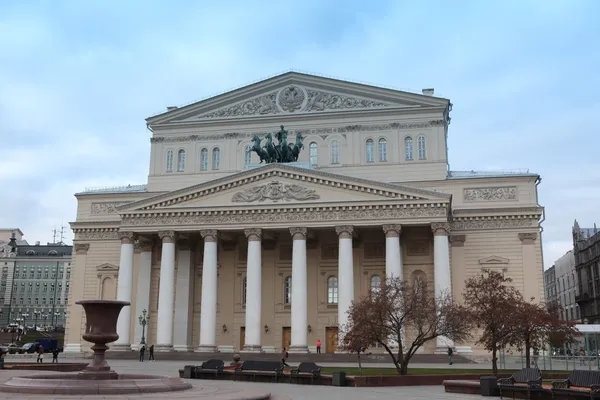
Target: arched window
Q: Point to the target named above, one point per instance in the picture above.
(422, 148)
(244, 286)
(216, 158)
(335, 152)
(332, 290)
(169, 161)
(180, 160)
(287, 290)
(370, 151)
(313, 153)
(247, 155)
(408, 148)
(204, 159)
(382, 149)
(375, 283)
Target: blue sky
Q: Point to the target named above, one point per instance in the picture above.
(77, 79)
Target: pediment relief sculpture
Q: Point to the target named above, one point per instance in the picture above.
(493, 260)
(107, 267)
(275, 191)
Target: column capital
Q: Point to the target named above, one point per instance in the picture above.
(528, 238)
(458, 240)
(209, 235)
(81, 248)
(167, 236)
(126, 237)
(298, 233)
(344, 231)
(253, 234)
(440, 228)
(392, 230)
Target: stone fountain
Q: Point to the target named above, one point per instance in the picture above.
(97, 377)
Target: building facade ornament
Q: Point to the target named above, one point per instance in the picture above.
(291, 98)
(344, 231)
(490, 194)
(81, 248)
(209, 235)
(440, 228)
(275, 191)
(528, 238)
(494, 223)
(96, 234)
(392, 230)
(298, 233)
(167, 236)
(106, 208)
(458, 240)
(253, 234)
(143, 244)
(126, 237)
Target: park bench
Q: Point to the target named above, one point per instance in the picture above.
(306, 370)
(527, 380)
(210, 367)
(259, 368)
(579, 382)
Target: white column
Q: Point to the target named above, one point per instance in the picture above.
(142, 293)
(184, 290)
(124, 289)
(253, 290)
(345, 274)
(208, 315)
(441, 270)
(393, 252)
(166, 293)
(299, 342)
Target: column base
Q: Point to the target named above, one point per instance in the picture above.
(463, 350)
(206, 349)
(163, 348)
(120, 347)
(225, 349)
(72, 348)
(182, 347)
(252, 348)
(298, 349)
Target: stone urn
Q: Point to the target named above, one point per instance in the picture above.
(100, 329)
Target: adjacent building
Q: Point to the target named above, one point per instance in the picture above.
(227, 252)
(34, 285)
(561, 286)
(586, 252)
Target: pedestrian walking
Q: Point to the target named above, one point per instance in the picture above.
(151, 353)
(40, 357)
(450, 353)
(284, 357)
(142, 351)
(318, 346)
(55, 356)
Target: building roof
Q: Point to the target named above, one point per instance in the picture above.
(115, 189)
(490, 174)
(49, 250)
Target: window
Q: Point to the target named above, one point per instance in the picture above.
(21, 300)
(335, 152)
(247, 155)
(382, 149)
(422, 149)
(408, 149)
(204, 159)
(313, 153)
(180, 160)
(244, 290)
(170, 161)
(287, 290)
(370, 151)
(375, 283)
(332, 290)
(216, 158)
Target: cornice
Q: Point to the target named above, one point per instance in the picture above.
(499, 211)
(92, 224)
(282, 171)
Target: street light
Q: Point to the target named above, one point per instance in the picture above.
(36, 313)
(13, 329)
(56, 314)
(144, 319)
(45, 317)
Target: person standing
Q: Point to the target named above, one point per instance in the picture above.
(284, 357)
(142, 351)
(450, 353)
(318, 346)
(40, 357)
(55, 356)
(151, 353)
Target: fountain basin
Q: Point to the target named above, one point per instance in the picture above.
(71, 384)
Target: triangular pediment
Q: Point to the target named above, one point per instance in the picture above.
(106, 267)
(295, 93)
(280, 184)
(494, 260)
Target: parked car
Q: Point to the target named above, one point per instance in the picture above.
(12, 348)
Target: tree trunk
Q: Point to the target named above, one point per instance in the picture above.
(404, 368)
(527, 355)
(359, 364)
(494, 360)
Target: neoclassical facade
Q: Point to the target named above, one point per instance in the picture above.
(228, 254)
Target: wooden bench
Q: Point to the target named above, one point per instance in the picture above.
(259, 368)
(210, 367)
(528, 379)
(580, 382)
(306, 370)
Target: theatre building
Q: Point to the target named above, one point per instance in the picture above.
(228, 253)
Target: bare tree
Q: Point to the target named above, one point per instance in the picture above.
(402, 318)
(356, 340)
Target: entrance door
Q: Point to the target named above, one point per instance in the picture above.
(242, 337)
(286, 337)
(332, 339)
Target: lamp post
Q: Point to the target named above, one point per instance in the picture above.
(36, 313)
(45, 317)
(24, 316)
(19, 330)
(13, 329)
(144, 319)
(56, 314)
